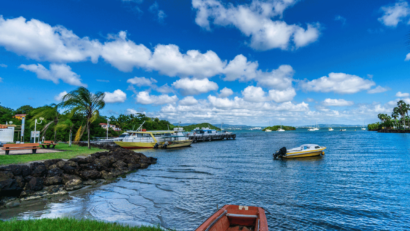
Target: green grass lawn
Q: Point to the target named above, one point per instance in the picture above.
(68, 224)
(68, 152)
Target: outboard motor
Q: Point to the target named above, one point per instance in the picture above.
(156, 146)
(279, 154)
(165, 144)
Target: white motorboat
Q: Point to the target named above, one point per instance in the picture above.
(330, 129)
(268, 130)
(280, 129)
(306, 150)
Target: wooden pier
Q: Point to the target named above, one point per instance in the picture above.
(200, 138)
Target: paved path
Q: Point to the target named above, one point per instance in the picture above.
(28, 151)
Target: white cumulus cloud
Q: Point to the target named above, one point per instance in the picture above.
(40, 41)
(378, 89)
(399, 94)
(254, 94)
(393, 14)
(255, 20)
(117, 96)
(337, 102)
(60, 96)
(280, 96)
(280, 78)
(225, 92)
(338, 82)
(188, 101)
(55, 73)
(141, 81)
(195, 86)
(144, 97)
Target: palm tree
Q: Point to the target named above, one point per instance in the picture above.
(403, 109)
(380, 116)
(50, 111)
(395, 114)
(87, 103)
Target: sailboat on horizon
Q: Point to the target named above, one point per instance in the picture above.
(280, 129)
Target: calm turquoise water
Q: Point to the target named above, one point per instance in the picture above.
(362, 183)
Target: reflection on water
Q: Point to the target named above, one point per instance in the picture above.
(361, 183)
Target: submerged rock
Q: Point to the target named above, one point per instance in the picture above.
(73, 184)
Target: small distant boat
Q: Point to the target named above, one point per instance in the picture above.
(268, 130)
(330, 129)
(363, 129)
(280, 129)
(343, 130)
(235, 218)
(306, 150)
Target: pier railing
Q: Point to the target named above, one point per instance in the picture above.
(211, 137)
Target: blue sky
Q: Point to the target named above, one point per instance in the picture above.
(238, 62)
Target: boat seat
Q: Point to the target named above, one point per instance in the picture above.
(241, 215)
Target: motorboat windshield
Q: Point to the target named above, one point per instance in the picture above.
(305, 147)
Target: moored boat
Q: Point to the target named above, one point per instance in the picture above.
(235, 218)
(268, 130)
(330, 129)
(306, 150)
(176, 140)
(143, 139)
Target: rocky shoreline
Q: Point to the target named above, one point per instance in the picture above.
(57, 177)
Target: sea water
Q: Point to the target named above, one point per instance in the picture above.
(362, 183)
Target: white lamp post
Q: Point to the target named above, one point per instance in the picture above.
(108, 126)
(35, 128)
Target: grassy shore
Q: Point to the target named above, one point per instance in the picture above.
(67, 153)
(68, 224)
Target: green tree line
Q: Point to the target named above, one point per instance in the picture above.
(191, 127)
(79, 109)
(399, 119)
(276, 127)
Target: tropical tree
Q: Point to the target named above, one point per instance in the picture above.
(395, 114)
(403, 109)
(84, 102)
(64, 124)
(49, 112)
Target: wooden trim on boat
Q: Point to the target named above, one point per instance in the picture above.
(234, 218)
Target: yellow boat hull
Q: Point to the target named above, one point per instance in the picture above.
(178, 144)
(301, 154)
(135, 145)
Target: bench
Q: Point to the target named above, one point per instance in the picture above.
(48, 144)
(11, 147)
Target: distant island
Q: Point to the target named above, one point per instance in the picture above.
(276, 127)
(203, 125)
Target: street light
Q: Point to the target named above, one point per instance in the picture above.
(108, 125)
(35, 128)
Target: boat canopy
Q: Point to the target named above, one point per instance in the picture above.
(154, 132)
